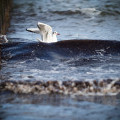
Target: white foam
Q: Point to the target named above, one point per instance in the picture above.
(3, 39)
(90, 11)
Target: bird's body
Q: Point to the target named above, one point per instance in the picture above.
(45, 31)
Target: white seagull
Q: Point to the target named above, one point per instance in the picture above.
(46, 33)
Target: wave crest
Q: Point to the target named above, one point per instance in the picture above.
(84, 11)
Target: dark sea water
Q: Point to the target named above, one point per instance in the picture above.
(77, 78)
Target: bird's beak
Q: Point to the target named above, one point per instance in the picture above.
(58, 33)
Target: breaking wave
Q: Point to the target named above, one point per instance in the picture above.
(104, 87)
(77, 56)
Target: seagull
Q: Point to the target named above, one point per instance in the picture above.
(45, 31)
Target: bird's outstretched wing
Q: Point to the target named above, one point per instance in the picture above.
(44, 30)
(34, 30)
(44, 27)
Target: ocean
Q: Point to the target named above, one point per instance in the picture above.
(76, 78)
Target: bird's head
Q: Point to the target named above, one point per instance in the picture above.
(55, 33)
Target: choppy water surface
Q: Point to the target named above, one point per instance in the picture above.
(76, 67)
(72, 19)
(66, 60)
